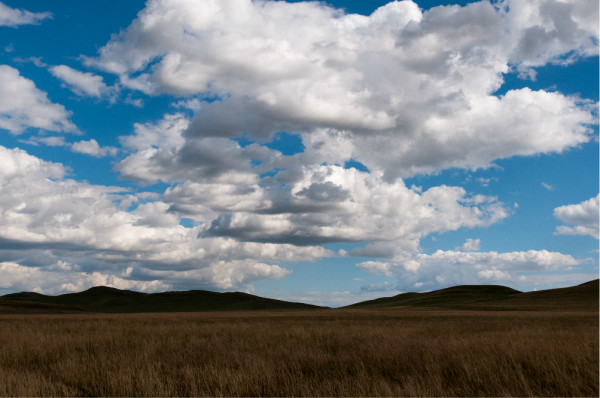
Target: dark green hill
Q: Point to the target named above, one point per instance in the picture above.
(581, 297)
(103, 299)
(453, 297)
(493, 297)
(110, 300)
(32, 307)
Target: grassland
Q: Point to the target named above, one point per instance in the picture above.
(374, 352)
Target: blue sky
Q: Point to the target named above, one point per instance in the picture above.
(319, 152)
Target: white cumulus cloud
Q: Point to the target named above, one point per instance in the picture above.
(48, 218)
(81, 83)
(582, 218)
(92, 148)
(14, 17)
(23, 105)
(470, 245)
(411, 91)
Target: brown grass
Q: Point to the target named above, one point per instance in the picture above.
(403, 352)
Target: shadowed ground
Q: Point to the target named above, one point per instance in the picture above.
(376, 352)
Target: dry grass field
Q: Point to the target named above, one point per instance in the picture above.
(386, 352)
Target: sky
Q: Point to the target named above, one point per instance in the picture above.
(323, 152)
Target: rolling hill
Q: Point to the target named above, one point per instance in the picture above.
(102, 299)
(110, 300)
(494, 297)
(449, 297)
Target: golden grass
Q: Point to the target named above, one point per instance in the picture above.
(402, 352)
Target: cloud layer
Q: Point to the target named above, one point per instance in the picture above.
(398, 93)
(107, 231)
(409, 91)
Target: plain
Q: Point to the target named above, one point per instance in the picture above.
(400, 351)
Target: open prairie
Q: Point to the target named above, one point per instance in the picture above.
(342, 352)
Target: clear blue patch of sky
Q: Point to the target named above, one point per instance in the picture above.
(357, 165)
(243, 141)
(77, 26)
(187, 222)
(286, 143)
(271, 173)
(579, 78)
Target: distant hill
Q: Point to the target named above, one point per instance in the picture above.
(580, 297)
(452, 296)
(104, 299)
(110, 300)
(494, 297)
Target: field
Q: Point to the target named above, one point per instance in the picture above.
(341, 352)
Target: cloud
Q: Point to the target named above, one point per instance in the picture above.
(255, 194)
(23, 106)
(350, 206)
(447, 268)
(81, 83)
(158, 153)
(240, 232)
(409, 91)
(514, 124)
(62, 278)
(582, 216)
(107, 230)
(54, 141)
(89, 147)
(553, 31)
(37, 61)
(470, 245)
(14, 17)
(92, 148)
(384, 287)
(402, 91)
(193, 104)
(548, 186)
(166, 134)
(484, 181)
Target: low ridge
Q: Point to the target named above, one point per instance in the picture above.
(493, 297)
(456, 296)
(104, 299)
(110, 300)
